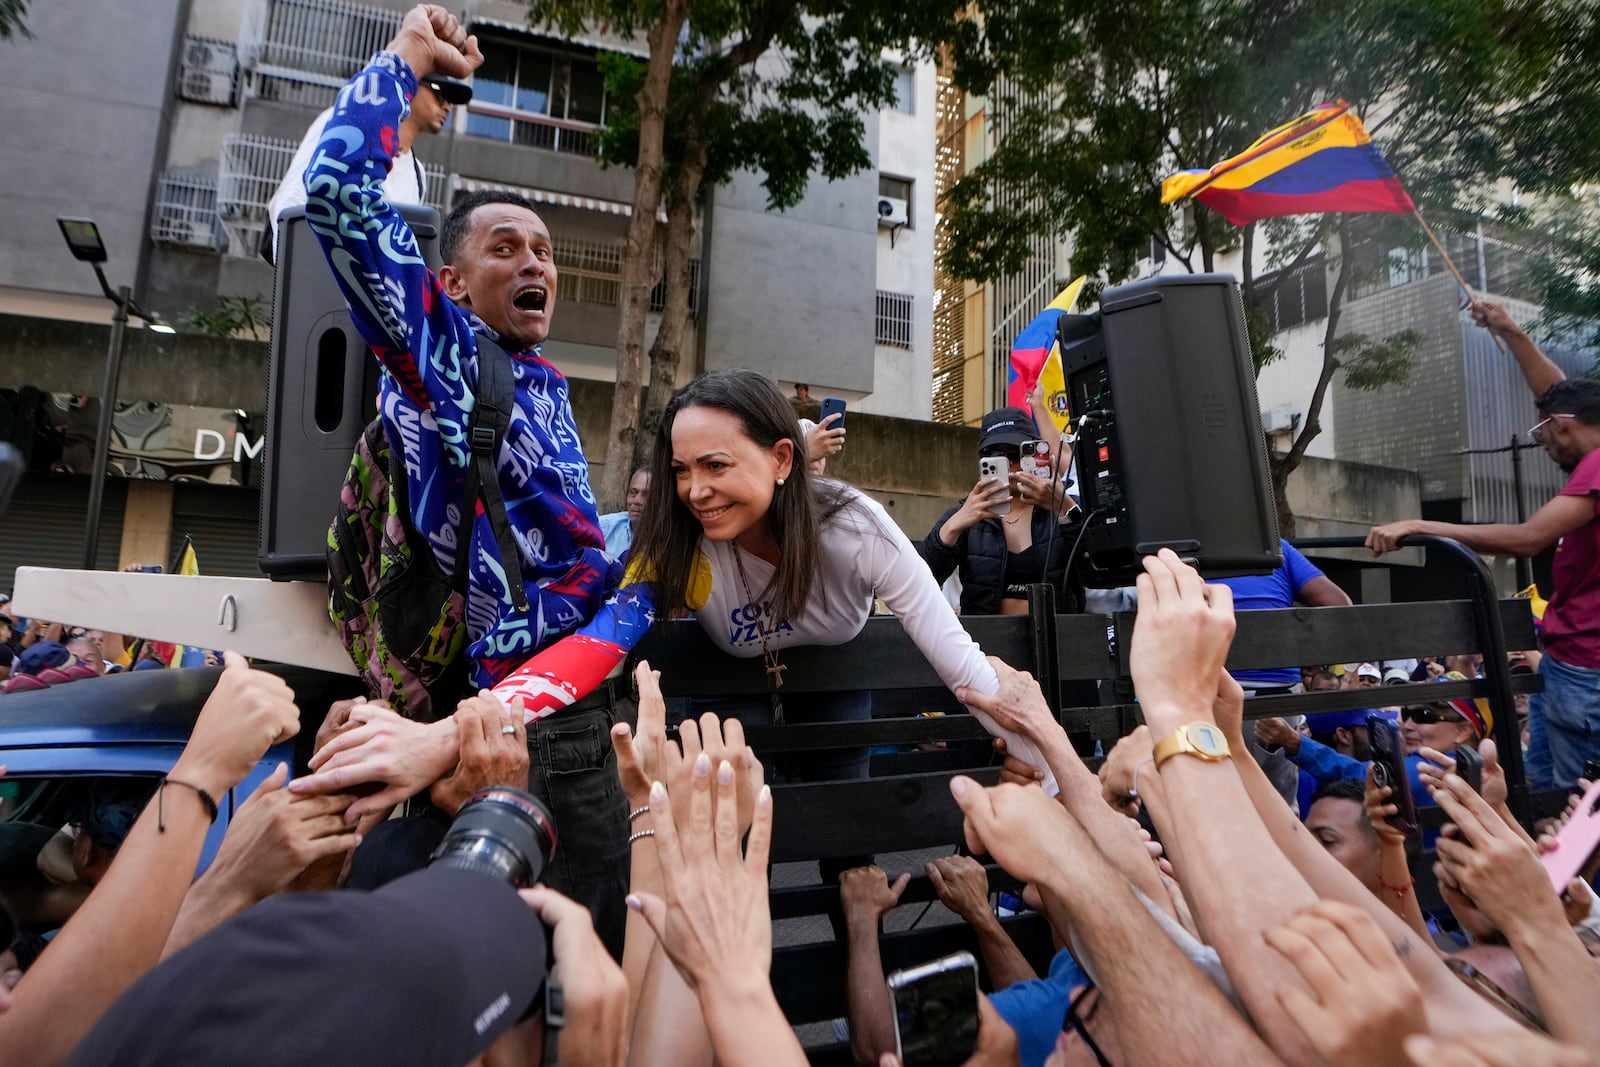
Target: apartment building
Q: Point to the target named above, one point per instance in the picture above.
(170, 122)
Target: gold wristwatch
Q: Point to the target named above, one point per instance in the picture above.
(1199, 739)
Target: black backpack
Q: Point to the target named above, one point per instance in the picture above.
(400, 616)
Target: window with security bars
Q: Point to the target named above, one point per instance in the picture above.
(1296, 297)
(892, 321)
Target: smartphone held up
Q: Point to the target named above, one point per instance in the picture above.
(936, 1011)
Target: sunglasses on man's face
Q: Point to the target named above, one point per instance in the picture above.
(1428, 716)
(1001, 452)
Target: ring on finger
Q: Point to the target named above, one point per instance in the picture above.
(508, 729)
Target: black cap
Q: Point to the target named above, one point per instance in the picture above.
(430, 969)
(452, 91)
(1006, 426)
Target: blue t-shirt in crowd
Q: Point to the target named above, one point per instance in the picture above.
(1275, 590)
(1037, 1009)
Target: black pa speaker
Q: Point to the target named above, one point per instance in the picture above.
(322, 390)
(1170, 453)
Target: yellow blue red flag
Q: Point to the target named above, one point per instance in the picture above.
(183, 655)
(1322, 161)
(1033, 347)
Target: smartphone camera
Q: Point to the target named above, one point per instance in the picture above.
(503, 832)
(936, 1011)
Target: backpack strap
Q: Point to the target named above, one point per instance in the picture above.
(486, 432)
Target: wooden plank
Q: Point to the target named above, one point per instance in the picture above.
(852, 818)
(282, 622)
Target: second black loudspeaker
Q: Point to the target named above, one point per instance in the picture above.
(322, 390)
(1169, 450)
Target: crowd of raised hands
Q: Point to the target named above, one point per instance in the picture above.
(1228, 935)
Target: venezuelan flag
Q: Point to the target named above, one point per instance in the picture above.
(183, 655)
(1033, 346)
(1536, 605)
(1322, 161)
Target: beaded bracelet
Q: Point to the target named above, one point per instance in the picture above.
(207, 801)
(636, 812)
(639, 834)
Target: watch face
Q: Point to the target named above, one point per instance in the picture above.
(1208, 740)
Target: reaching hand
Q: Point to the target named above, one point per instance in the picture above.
(593, 989)
(1383, 539)
(432, 41)
(1180, 640)
(866, 895)
(1363, 1002)
(247, 713)
(1120, 769)
(1437, 764)
(719, 740)
(275, 836)
(1493, 866)
(1278, 732)
(825, 438)
(1019, 704)
(494, 751)
(405, 756)
(639, 754)
(962, 885)
(1021, 828)
(1014, 770)
(714, 922)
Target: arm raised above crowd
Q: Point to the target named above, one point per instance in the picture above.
(119, 932)
(1502, 875)
(1539, 369)
(1039, 841)
(1451, 1006)
(1237, 883)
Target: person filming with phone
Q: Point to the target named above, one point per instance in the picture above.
(1005, 536)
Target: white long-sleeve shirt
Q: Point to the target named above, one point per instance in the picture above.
(863, 555)
(406, 183)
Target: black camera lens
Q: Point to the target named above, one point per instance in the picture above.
(503, 832)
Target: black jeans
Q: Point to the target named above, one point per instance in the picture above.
(572, 769)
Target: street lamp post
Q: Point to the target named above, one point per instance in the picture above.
(83, 241)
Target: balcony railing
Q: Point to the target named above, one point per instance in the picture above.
(249, 174)
(528, 128)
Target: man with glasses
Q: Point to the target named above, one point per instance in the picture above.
(406, 184)
(1564, 720)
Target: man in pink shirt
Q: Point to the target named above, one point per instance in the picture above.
(1564, 720)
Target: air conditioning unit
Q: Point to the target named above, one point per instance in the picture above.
(182, 227)
(892, 211)
(209, 73)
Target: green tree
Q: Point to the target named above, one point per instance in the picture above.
(1106, 97)
(11, 15)
(780, 87)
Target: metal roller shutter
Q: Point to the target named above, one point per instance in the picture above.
(222, 522)
(44, 525)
